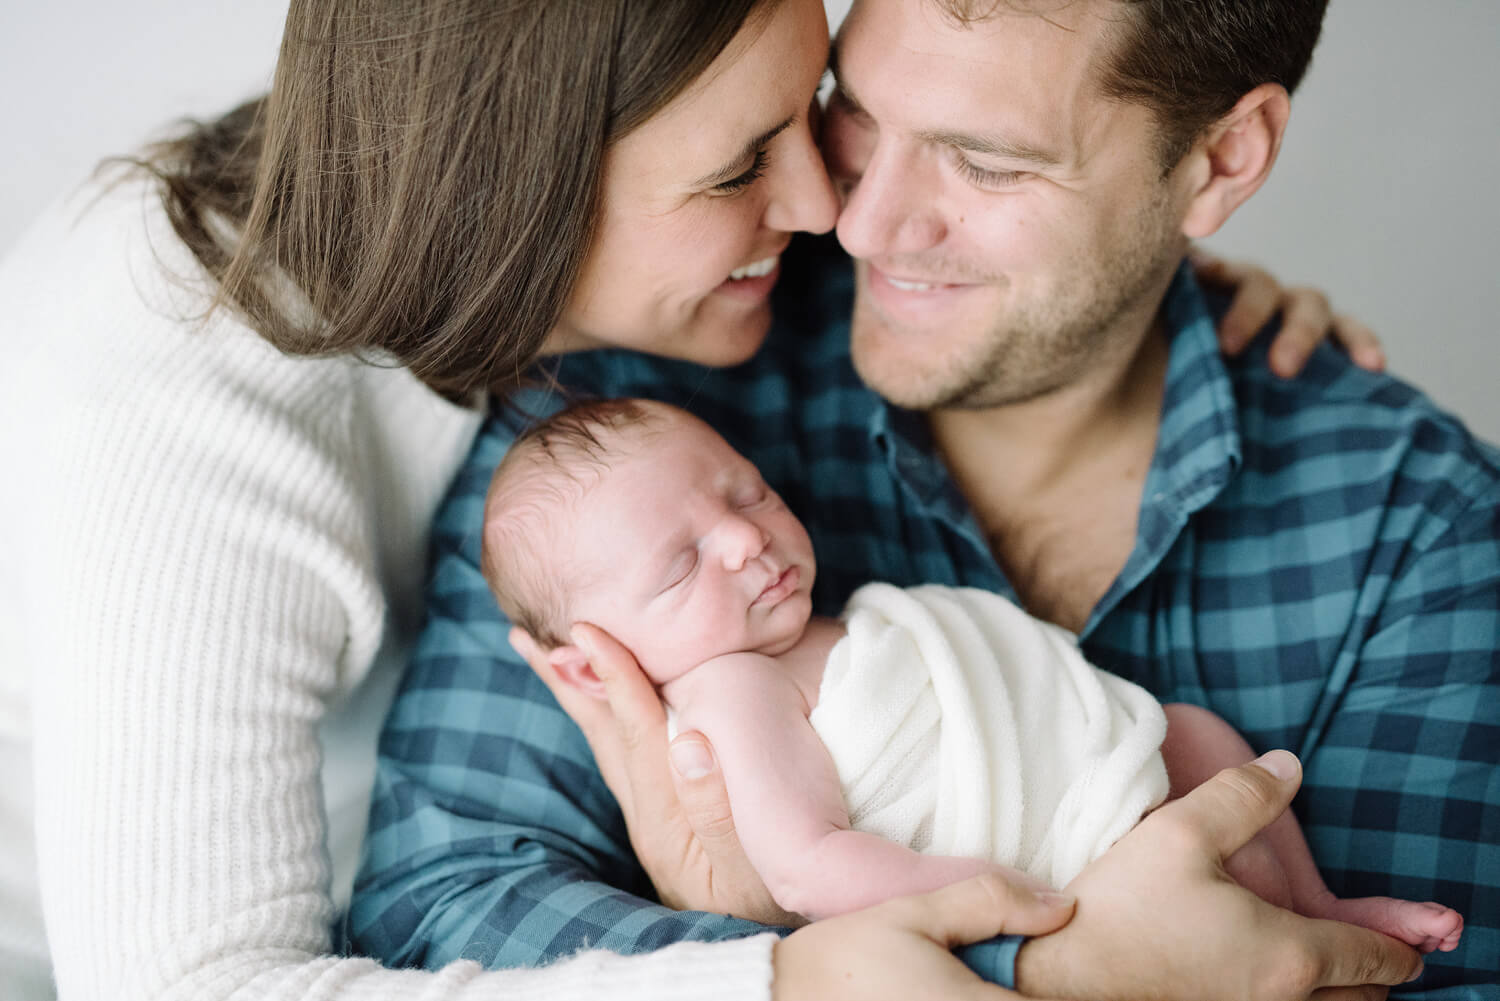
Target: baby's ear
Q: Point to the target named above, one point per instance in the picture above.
(573, 667)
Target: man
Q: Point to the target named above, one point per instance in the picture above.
(1318, 561)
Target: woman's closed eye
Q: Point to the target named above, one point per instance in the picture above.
(756, 169)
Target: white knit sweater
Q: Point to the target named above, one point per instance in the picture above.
(212, 555)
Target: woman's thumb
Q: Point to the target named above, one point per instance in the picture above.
(984, 906)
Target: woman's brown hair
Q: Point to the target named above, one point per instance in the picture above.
(427, 172)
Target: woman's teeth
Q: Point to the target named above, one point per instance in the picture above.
(757, 270)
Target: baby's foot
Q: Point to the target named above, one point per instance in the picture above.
(1425, 926)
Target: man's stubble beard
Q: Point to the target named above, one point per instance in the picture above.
(1038, 348)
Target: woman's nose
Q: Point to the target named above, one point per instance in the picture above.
(802, 196)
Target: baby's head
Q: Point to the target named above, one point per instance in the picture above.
(640, 519)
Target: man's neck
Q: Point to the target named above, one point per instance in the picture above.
(1056, 481)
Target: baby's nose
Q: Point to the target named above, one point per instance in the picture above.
(742, 540)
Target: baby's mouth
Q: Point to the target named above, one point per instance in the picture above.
(785, 583)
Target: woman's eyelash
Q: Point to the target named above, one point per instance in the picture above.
(985, 177)
(749, 177)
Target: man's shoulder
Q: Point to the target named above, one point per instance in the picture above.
(1369, 435)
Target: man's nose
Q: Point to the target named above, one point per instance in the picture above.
(890, 206)
(739, 541)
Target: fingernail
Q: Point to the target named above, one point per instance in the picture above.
(1281, 764)
(581, 641)
(691, 758)
(1054, 899)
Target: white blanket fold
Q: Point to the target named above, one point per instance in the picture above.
(960, 725)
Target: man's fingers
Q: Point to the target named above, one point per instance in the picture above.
(699, 786)
(636, 706)
(1369, 992)
(1357, 956)
(1236, 803)
(588, 712)
(700, 789)
(973, 910)
(640, 725)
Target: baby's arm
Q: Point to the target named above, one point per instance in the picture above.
(787, 803)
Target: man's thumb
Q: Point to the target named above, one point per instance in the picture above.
(1234, 805)
(700, 790)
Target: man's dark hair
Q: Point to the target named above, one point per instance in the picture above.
(1189, 61)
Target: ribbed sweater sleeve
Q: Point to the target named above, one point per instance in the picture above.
(201, 548)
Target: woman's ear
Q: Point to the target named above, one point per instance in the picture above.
(572, 665)
(1234, 158)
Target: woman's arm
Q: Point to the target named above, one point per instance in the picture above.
(191, 581)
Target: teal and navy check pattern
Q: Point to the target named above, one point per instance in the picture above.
(1317, 560)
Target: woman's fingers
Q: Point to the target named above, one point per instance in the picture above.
(1360, 341)
(982, 907)
(900, 950)
(1307, 318)
(1257, 296)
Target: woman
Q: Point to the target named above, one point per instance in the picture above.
(239, 382)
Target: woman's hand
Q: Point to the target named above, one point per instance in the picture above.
(901, 949)
(1306, 317)
(1159, 917)
(678, 817)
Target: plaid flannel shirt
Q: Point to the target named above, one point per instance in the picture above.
(1317, 560)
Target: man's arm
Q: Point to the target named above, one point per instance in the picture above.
(492, 836)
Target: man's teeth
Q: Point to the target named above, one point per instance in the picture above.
(910, 286)
(757, 270)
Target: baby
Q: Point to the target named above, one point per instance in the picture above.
(928, 735)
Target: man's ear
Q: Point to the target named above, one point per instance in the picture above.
(1234, 158)
(573, 667)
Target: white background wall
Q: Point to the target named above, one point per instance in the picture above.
(1386, 193)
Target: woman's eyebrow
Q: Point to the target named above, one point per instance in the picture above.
(734, 167)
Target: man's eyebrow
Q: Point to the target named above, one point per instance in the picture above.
(985, 145)
(989, 145)
(735, 167)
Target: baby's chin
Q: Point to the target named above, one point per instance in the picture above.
(791, 619)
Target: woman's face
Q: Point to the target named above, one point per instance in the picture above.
(700, 200)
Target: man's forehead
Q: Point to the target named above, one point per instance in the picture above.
(1025, 79)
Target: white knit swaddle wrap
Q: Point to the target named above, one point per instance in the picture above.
(960, 725)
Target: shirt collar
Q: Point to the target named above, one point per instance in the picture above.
(1197, 443)
(1197, 447)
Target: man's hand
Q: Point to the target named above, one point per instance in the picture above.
(678, 817)
(1306, 317)
(901, 949)
(1158, 917)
